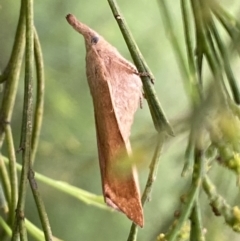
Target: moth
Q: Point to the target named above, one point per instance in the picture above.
(116, 91)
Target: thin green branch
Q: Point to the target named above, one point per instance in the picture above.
(3, 202)
(160, 121)
(5, 195)
(188, 164)
(191, 199)
(5, 226)
(26, 135)
(225, 58)
(193, 78)
(229, 25)
(189, 78)
(38, 113)
(220, 206)
(197, 233)
(207, 44)
(37, 233)
(12, 74)
(37, 123)
(82, 195)
(5, 179)
(149, 184)
(229, 22)
(172, 36)
(32, 229)
(216, 7)
(12, 172)
(17, 50)
(40, 206)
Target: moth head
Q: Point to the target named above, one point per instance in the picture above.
(94, 40)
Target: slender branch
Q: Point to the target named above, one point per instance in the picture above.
(189, 77)
(26, 136)
(170, 30)
(220, 206)
(3, 202)
(160, 121)
(196, 233)
(188, 164)
(12, 172)
(37, 123)
(195, 86)
(149, 184)
(5, 179)
(13, 72)
(5, 192)
(5, 226)
(84, 196)
(38, 113)
(207, 45)
(40, 206)
(225, 58)
(191, 198)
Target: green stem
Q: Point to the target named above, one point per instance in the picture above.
(229, 26)
(231, 19)
(3, 203)
(37, 123)
(225, 58)
(40, 206)
(26, 135)
(5, 179)
(191, 198)
(188, 164)
(13, 72)
(160, 121)
(207, 44)
(189, 80)
(229, 22)
(38, 113)
(220, 206)
(12, 172)
(5, 194)
(5, 226)
(196, 233)
(195, 86)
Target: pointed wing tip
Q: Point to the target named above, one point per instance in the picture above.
(139, 220)
(132, 209)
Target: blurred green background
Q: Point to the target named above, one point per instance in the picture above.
(67, 148)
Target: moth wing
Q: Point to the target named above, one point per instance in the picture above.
(126, 88)
(120, 189)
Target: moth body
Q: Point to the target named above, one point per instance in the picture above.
(116, 91)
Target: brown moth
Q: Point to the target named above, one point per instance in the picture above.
(116, 91)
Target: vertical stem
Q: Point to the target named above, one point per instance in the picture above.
(5, 179)
(195, 87)
(38, 114)
(12, 172)
(26, 136)
(159, 119)
(12, 75)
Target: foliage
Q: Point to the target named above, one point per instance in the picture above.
(60, 142)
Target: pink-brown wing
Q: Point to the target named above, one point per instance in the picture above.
(126, 86)
(120, 188)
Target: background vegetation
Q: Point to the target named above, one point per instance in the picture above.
(67, 148)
